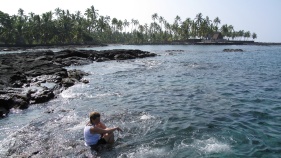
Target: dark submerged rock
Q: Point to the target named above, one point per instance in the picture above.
(23, 75)
(233, 50)
(68, 82)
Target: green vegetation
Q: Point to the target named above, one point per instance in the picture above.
(62, 27)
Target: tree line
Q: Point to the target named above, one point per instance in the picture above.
(63, 27)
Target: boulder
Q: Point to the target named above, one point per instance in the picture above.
(85, 81)
(3, 112)
(6, 102)
(20, 102)
(45, 96)
(68, 82)
(77, 74)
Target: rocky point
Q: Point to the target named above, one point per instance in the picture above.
(37, 77)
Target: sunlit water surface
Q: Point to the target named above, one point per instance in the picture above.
(197, 102)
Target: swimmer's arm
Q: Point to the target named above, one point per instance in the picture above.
(98, 130)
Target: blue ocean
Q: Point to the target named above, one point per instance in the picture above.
(188, 101)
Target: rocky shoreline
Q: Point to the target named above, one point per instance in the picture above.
(37, 77)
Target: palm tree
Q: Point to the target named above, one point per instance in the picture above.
(176, 28)
(37, 29)
(178, 19)
(47, 27)
(103, 28)
(241, 34)
(114, 24)
(208, 21)
(205, 27)
(161, 20)
(154, 16)
(247, 34)
(20, 22)
(64, 27)
(126, 24)
(92, 15)
(199, 19)
(135, 23)
(224, 30)
(29, 29)
(79, 24)
(132, 22)
(185, 29)
(194, 29)
(6, 28)
(254, 36)
(94, 12)
(120, 25)
(231, 31)
(146, 31)
(217, 21)
(58, 12)
(140, 36)
(101, 24)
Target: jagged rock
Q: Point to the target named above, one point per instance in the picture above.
(31, 70)
(18, 80)
(20, 103)
(45, 96)
(85, 81)
(77, 74)
(68, 82)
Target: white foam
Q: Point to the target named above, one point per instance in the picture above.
(107, 94)
(146, 117)
(143, 152)
(77, 127)
(149, 64)
(70, 94)
(74, 92)
(15, 111)
(212, 145)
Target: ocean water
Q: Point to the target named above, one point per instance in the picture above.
(189, 101)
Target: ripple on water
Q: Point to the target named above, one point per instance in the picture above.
(201, 147)
(145, 151)
(211, 145)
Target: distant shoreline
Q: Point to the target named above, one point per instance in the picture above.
(239, 43)
(4, 47)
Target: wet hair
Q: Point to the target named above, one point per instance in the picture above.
(94, 115)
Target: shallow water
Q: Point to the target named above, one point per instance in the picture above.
(197, 102)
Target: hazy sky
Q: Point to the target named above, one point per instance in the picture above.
(259, 16)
